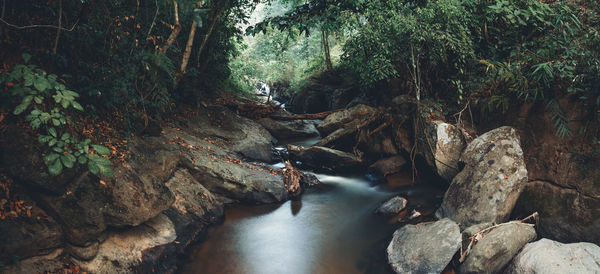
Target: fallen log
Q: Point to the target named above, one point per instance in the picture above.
(312, 116)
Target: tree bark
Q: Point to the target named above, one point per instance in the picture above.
(326, 48)
(188, 51)
(176, 30)
(60, 10)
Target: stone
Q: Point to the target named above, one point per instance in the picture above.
(425, 247)
(242, 135)
(388, 166)
(471, 231)
(497, 247)
(392, 206)
(339, 119)
(308, 180)
(441, 145)
(84, 253)
(28, 237)
(326, 159)
(549, 257)
(287, 130)
(493, 177)
(565, 214)
(124, 250)
(54, 262)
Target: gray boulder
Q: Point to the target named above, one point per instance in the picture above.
(326, 159)
(392, 206)
(441, 145)
(488, 187)
(548, 257)
(285, 130)
(388, 166)
(495, 250)
(425, 247)
(339, 119)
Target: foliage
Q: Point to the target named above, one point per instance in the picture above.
(35, 88)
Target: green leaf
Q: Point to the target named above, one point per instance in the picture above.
(52, 131)
(82, 159)
(56, 122)
(66, 161)
(65, 136)
(77, 106)
(26, 57)
(51, 157)
(20, 108)
(39, 100)
(55, 168)
(93, 167)
(41, 83)
(102, 150)
(106, 171)
(102, 161)
(52, 142)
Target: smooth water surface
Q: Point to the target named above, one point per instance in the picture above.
(330, 230)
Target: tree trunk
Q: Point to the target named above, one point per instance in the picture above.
(326, 48)
(188, 51)
(60, 10)
(176, 30)
(216, 16)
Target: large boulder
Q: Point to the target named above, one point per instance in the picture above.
(25, 237)
(548, 257)
(326, 159)
(339, 119)
(425, 247)
(123, 251)
(493, 177)
(566, 214)
(441, 144)
(241, 135)
(287, 130)
(495, 250)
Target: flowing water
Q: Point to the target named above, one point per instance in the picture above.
(329, 230)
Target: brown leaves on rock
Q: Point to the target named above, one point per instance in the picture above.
(292, 178)
(11, 206)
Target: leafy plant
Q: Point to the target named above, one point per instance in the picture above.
(48, 98)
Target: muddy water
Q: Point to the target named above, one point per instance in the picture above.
(329, 230)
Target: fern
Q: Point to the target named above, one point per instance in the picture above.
(560, 120)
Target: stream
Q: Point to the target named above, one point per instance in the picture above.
(330, 229)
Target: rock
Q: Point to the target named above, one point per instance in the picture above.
(378, 145)
(471, 231)
(339, 119)
(424, 248)
(84, 253)
(547, 256)
(392, 206)
(322, 158)
(124, 250)
(388, 166)
(241, 135)
(488, 187)
(495, 250)
(309, 180)
(286, 130)
(565, 214)
(236, 180)
(54, 262)
(27, 237)
(442, 145)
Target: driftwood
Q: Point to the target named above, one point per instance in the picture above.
(312, 116)
(479, 235)
(292, 178)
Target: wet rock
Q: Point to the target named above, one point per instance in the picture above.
(388, 166)
(378, 145)
(339, 119)
(27, 237)
(495, 250)
(441, 145)
(124, 250)
(322, 158)
(241, 135)
(547, 256)
(488, 187)
(309, 180)
(54, 262)
(236, 180)
(565, 214)
(425, 247)
(286, 130)
(392, 206)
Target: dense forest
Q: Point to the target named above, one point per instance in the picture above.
(134, 134)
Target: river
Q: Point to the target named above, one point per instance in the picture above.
(330, 229)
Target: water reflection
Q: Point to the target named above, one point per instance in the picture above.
(331, 231)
